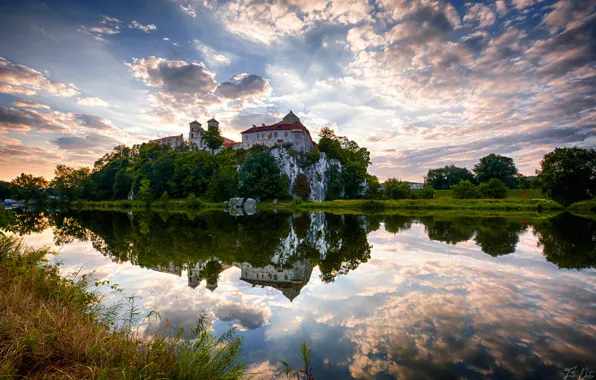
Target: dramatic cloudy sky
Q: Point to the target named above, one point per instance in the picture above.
(421, 83)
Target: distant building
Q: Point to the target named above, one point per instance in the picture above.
(171, 141)
(288, 131)
(206, 270)
(415, 185)
(289, 281)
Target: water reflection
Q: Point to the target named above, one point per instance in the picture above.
(383, 296)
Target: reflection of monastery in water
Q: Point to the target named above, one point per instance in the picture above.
(289, 281)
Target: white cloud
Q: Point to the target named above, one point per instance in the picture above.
(92, 102)
(145, 28)
(189, 10)
(212, 56)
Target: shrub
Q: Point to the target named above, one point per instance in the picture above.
(494, 188)
(165, 197)
(145, 193)
(301, 187)
(192, 201)
(465, 190)
(427, 192)
(395, 189)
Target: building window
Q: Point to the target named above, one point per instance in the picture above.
(286, 134)
(275, 134)
(192, 135)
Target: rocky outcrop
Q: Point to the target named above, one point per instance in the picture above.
(250, 206)
(316, 173)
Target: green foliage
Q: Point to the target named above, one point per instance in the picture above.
(27, 187)
(192, 201)
(145, 194)
(465, 190)
(70, 184)
(499, 167)
(427, 192)
(447, 176)
(165, 197)
(568, 175)
(301, 187)
(374, 188)
(5, 190)
(494, 189)
(395, 189)
(260, 177)
(213, 139)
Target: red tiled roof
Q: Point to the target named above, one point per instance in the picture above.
(276, 127)
(228, 143)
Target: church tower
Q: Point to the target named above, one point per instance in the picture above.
(195, 135)
(212, 124)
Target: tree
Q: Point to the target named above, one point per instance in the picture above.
(301, 187)
(27, 187)
(465, 190)
(5, 190)
(69, 183)
(374, 188)
(447, 176)
(499, 167)
(213, 139)
(427, 192)
(145, 194)
(395, 189)
(568, 175)
(493, 189)
(260, 177)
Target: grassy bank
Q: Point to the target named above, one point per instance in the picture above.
(511, 194)
(437, 204)
(52, 327)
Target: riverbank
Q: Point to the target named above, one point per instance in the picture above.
(175, 204)
(54, 327)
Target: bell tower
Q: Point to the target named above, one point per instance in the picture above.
(195, 135)
(213, 123)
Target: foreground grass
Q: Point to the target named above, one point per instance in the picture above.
(52, 327)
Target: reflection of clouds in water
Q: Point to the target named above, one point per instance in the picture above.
(418, 308)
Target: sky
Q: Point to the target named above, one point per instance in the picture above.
(420, 83)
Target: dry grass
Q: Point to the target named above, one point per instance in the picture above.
(52, 327)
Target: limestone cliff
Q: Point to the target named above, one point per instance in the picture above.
(316, 173)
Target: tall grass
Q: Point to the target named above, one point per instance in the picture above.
(54, 327)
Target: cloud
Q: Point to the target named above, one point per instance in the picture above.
(189, 10)
(29, 104)
(89, 141)
(480, 15)
(23, 80)
(109, 26)
(244, 86)
(145, 28)
(211, 56)
(173, 76)
(92, 102)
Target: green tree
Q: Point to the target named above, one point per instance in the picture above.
(301, 187)
(213, 139)
(165, 197)
(5, 190)
(499, 167)
(447, 176)
(260, 177)
(568, 175)
(145, 193)
(27, 187)
(122, 184)
(395, 189)
(374, 188)
(69, 183)
(494, 189)
(465, 190)
(427, 192)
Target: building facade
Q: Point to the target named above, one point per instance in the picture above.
(288, 131)
(171, 141)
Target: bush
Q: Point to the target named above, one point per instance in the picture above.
(494, 189)
(192, 201)
(465, 190)
(301, 187)
(427, 192)
(395, 189)
(165, 197)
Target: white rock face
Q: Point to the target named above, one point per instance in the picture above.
(315, 173)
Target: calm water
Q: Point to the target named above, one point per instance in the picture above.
(375, 297)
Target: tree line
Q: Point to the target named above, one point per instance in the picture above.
(153, 172)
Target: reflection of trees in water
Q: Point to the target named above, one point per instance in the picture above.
(568, 241)
(336, 243)
(495, 236)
